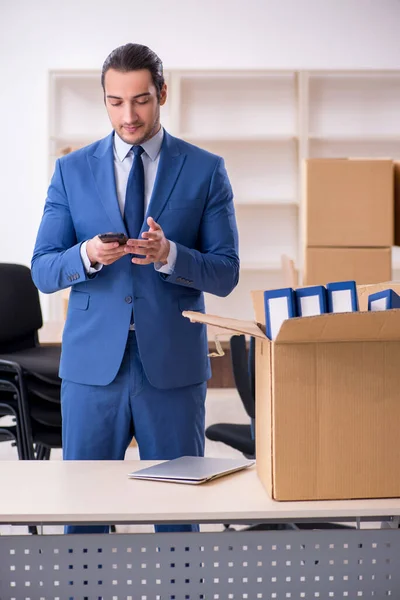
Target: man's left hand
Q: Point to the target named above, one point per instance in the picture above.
(154, 246)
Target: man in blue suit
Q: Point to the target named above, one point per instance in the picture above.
(130, 362)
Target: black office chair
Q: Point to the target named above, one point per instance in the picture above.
(240, 436)
(20, 319)
(10, 433)
(32, 368)
(10, 407)
(38, 418)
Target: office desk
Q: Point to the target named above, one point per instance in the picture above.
(332, 563)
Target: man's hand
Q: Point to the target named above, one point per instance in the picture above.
(154, 247)
(104, 253)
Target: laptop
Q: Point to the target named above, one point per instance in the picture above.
(192, 469)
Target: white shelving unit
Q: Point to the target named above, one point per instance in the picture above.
(264, 124)
(355, 114)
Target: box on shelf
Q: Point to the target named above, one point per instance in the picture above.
(369, 265)
(327, 401)
(349, 202)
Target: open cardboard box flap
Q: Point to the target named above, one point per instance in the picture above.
(354, 327)
(344, 327)
(236, 325)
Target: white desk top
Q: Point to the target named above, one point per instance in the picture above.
(62, 492)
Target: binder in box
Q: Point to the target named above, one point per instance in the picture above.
(311, 301)
(279, 306)
(342, 297)
(384, 300)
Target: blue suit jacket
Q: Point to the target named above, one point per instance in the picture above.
(192, 201)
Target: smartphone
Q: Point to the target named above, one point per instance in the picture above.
(113, 237)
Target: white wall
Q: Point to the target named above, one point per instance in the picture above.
(39, 35)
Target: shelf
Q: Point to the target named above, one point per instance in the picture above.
(248, 266)
(372, 138)
(331, 148)
(258, 122)
(236, 74)
(74, 139)
(265, 203)
(256, 169)
(275, 139)
(358, 103)
(216, 107)
(265, 235)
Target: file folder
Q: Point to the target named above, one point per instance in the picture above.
(311, 301)
(279, 305)
(342, 297)
(384, 300)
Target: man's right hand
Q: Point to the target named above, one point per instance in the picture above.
(104, 253)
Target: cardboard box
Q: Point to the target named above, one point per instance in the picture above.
(349, 202)
(364, 265)
(327, 402)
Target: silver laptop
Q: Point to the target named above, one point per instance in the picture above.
(192, 469)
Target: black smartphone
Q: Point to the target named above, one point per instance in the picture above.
(113, 237)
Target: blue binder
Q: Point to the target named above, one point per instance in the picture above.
(311, 301)
(342, 297)
(384, 300)
(279, 305)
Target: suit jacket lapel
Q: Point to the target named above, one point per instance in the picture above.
(169, 167)
(101, 163)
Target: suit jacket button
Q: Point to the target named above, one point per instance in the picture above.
(128, 299)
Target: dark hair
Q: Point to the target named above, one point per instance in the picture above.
(133, 57)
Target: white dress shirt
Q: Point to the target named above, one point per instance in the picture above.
(123, 159)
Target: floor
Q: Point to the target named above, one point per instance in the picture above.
(222, 405)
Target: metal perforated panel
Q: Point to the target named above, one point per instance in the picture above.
(207, 566)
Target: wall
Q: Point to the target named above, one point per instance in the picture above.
(42, 35)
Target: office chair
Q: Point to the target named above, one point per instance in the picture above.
(10, 433)
(30, 367)
(240, 436)
(10, 407)
(21, 318)
(38, 418)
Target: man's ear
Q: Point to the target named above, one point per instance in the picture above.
(163, 94)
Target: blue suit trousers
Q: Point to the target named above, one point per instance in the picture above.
(99, 421)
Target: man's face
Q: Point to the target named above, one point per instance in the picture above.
(132, 104)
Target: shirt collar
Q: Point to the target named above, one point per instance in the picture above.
(152, 147)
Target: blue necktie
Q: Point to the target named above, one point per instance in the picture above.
(134, 197)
